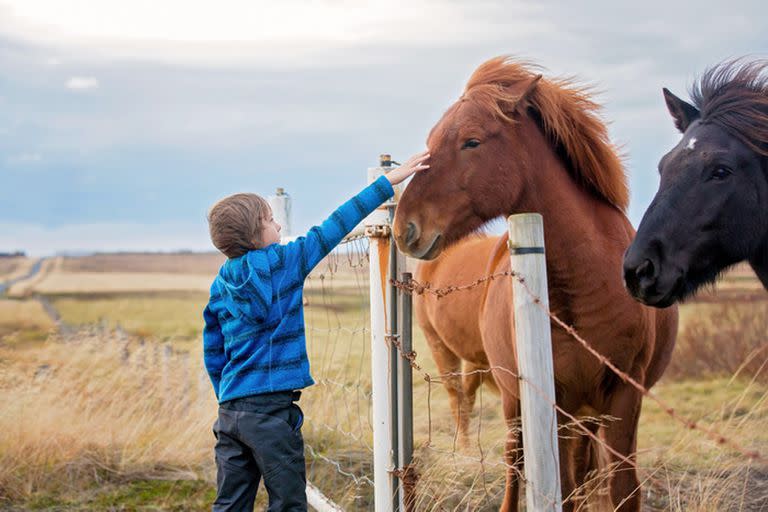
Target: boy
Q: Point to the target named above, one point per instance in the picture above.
(254, 346)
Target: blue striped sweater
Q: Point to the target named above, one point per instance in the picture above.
(254, 322)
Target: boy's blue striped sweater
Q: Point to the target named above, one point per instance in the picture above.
(254, 321)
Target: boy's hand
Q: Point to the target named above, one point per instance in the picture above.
(412, 165)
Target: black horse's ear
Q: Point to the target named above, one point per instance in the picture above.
(683, 113)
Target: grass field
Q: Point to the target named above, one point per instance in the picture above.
(102, 420)
(12, 266)
(14, 269)
(22, 321)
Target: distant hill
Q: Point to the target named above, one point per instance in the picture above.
(17, 254)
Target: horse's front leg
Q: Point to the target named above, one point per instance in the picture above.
(621, 435)
(513, 453)
(568, 446)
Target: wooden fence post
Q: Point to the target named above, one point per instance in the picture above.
(534, 360)
(378, 232)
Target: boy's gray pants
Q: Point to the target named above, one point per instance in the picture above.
(260, 436)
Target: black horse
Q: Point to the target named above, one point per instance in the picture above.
(711, 209)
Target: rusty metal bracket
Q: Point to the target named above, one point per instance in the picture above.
(379, 231)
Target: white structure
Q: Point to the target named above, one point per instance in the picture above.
(534, 360)
(281, 210)
(378, 230)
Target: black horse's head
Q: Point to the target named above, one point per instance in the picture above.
(711, 209)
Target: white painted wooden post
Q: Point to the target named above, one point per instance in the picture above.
(319, 501)
(378, 231)
(534, 359)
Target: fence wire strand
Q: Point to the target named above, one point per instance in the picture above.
(414, 287)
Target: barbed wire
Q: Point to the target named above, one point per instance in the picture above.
(414, 287)
(670, 411)
(411, 358)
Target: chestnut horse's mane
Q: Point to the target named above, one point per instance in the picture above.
(568, 116)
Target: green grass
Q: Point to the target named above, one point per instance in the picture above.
(163, 316)
(738, 409)
(140, 495)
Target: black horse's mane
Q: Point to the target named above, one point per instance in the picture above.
(734, 96)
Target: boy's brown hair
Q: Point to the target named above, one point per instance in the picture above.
(236, 223)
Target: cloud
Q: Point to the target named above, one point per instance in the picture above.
(82, 83)
(37, 240)
(244, 29)
(24, 158)
(191, 110)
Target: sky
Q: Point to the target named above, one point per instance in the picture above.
(121, 122)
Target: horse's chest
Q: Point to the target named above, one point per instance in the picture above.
(580, 364)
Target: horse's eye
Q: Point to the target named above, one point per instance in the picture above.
(721, 173)
(471, 143)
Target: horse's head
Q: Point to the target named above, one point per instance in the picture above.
(470, 168)
(710, 210)
(487, 151)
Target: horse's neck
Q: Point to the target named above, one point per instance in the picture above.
(585, 238)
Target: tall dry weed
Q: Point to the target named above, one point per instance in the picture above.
(723, 340)
(96, 409)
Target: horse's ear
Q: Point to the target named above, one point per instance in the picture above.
(683, 113)
(524, 100)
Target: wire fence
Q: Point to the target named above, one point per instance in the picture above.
(338, 431)
(594, 487)
(418, 288)
(444, 474)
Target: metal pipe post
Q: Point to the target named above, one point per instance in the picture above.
(405, 389)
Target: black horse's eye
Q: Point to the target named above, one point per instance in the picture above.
(471, 143)
(721, 173)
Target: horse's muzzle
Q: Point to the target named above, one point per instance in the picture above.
(413, 244)
(648, 282)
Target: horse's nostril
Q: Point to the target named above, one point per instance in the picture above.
(645, 270)
(410, 233)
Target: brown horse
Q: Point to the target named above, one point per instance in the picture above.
(517, 143)
(453, 338)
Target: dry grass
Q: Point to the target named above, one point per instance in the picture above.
(82, 414)
(23, 320)
(185, 263)
(695, 472)
(11, 268)
(90, 419)
(722, 339)
(99, 410)
(165, 317)
(118, 282)
(152, 273)
(26, 287)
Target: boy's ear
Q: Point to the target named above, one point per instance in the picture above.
(682, 112)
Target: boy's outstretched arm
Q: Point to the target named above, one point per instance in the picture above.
(213, 348)
(320, 240)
